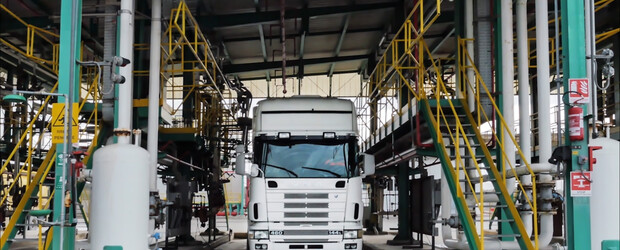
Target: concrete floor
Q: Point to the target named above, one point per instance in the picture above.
(371, 242)
(238, 225)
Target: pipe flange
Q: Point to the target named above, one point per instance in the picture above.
(551, 212)
(527, 187)
(122, 132)
(545, 184)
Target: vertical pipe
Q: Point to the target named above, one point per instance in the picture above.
(523, 77)
(68, 77)
(558, 83)
(524, 100)
(543, 84)
(591, 35)
(153, 111)
(589, 58)
(125, 92)
(283, 41)
(469, 33)
(507, 79)
(109, 51)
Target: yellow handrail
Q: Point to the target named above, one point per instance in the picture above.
(531, 201)
(33, 34)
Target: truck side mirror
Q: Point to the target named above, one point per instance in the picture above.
(240, 166)
(369, 165)
(254, 170)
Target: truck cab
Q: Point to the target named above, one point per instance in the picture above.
(306, 176)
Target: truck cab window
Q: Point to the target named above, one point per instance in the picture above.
(308, 160)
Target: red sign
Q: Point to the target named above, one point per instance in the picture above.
(579, 91)
(580, 184)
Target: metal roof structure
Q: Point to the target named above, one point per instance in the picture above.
(322, 37)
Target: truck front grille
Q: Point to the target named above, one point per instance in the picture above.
(306, 215)
(306, 205)
(306, 196)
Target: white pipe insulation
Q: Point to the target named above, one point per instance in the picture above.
(154, 78)
(507, 82)
(524, 100)
(125, 90)
(523, 77)
(542, 77)
(546, 232)
(469, 33)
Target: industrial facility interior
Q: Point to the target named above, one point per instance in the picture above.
(494, 124)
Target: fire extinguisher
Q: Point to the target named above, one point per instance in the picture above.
(575, 123)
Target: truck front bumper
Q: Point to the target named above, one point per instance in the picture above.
(270, 245)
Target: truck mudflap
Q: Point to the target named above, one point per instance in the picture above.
(271, 245)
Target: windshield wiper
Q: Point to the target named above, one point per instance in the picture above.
(282, 168)
(323, 170)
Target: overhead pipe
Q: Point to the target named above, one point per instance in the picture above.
(542, 77)
(154, 96)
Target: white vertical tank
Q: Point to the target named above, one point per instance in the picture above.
(605, 200)
(120, 197)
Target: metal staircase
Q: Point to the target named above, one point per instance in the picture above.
(451, 110)
(39, 188)
(466, 159)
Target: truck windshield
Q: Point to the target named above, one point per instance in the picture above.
(308, 160)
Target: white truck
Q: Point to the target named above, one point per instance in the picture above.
(306, 179)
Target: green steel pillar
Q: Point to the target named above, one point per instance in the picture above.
(69, 83)
(574, 63)
(504, 227)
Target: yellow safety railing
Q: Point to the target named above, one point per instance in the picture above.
(40, 37)
(464, 59)
(401, 80)
(91, 95)
(186, 50)
(400, 58)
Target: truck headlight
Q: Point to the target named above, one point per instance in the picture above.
(259, 235)
(353, 234)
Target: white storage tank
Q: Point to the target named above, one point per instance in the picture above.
(605, 200)
(120, 197)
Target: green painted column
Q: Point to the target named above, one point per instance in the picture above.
(504, 227)
(70, 37)
(574, 63)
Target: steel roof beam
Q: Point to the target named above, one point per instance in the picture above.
(263, 47)
(311, 74)
(308, 34)
(305, 26)
(216, 21)
(247, 67)
(343, 32)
